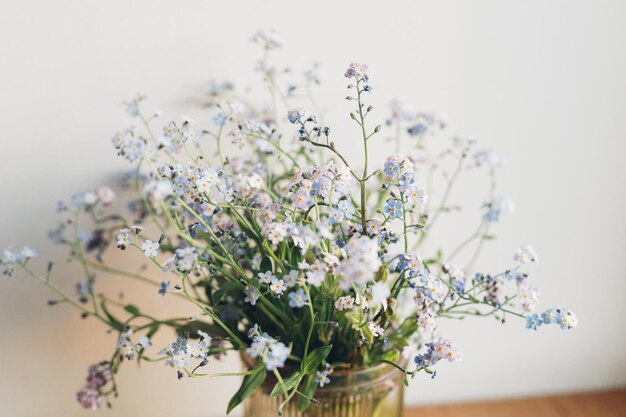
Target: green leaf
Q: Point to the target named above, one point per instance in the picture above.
(132, 309)
(391, 355)
(367, 333)
(191, 329)
(154, 327)
(115, 323)
(381, 275)
(250, 383)
(489, 237)
(400, 337)
(287, 385)
(266, 264)
(295, 256)
(217, 296)
(308, 389)
(357, 318)
(315, 359)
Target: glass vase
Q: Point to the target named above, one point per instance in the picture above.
(373, 392)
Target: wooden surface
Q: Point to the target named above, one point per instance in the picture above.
(596, 404)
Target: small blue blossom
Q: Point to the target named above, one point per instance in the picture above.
(220, 119)
(266, 277)
(335, 216)
(27, 252)
(277, 286)
(181, 359)
(393, 208)
(170, 130)
(133, 150)
(227, 194)
(406, 179)
(322, 378)
(179, 345)
(256, 349)
(533, 321)
(123, 239)
(150, 248)
(492, 215)
(525, 254)
(421, 361)
(9, 257)
(417, 129)
(391, 169)
(497, 207)
(277, 355)
(403, 263)
(181, 184)
(346, 207)
(316, 188)
(298, 298)
(291, 279)
(295, 115)
(252, 296)
(509, 274)
(165, 287)
(549, 316)
(566, 319)
(357, 71)
(144, 342)
(132, 107)
(300, 115)
(458, 284)
(190, 134)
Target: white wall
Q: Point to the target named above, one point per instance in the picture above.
(541, 81)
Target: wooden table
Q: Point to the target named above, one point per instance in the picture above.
(589, 404)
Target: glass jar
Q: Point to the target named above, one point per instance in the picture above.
(370, 392)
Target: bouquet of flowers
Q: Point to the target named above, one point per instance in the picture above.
(291, 254)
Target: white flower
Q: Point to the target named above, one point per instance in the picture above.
(266, 277)
(376, 329)
(105, 195)
(315, 278)
(291, 278)
(205, 337)
(277, 286)
(373, 227)
(181, 359)
(528, 297)
(344, 303)
(144, 342)
(203, 184)
(27, 252)
(416, 196)
(256, 349)
(445, 349)
(525, 254)
(150, 248)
